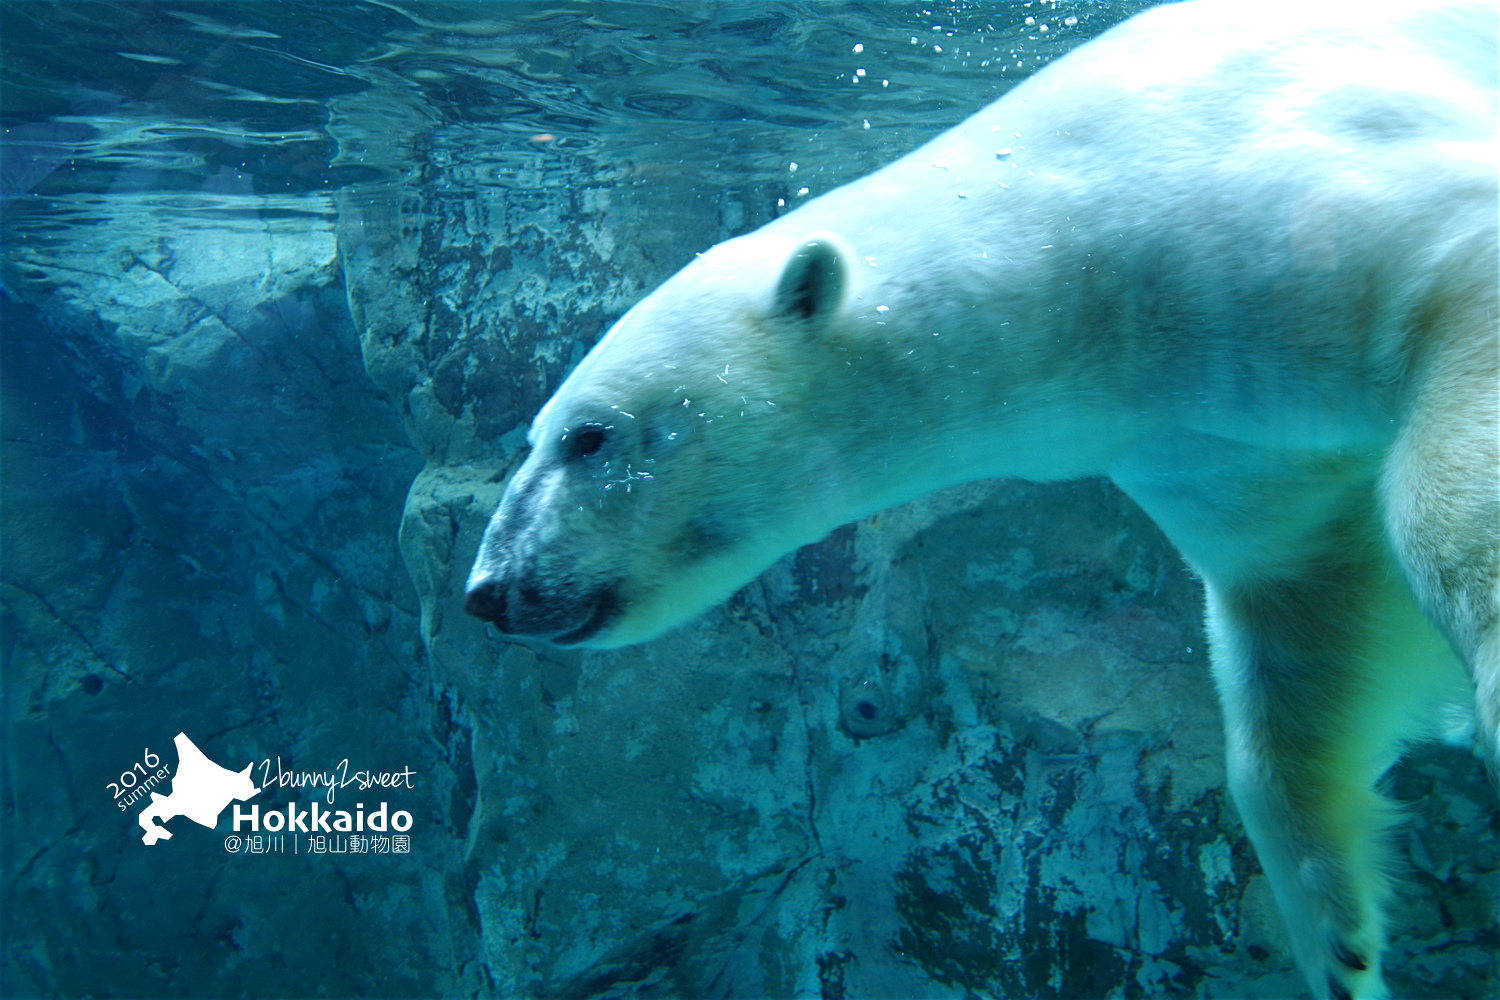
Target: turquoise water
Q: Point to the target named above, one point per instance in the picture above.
(282, 285)
(272, 99)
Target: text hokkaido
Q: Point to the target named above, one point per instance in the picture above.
(314, 820)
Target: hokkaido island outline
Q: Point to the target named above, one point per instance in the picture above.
(200, 791)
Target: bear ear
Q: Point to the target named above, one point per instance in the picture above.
(814, 279)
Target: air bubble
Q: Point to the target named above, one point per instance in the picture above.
(882, 309)
(859, 72)
(940, 163)
(937, 48)
(802, 192)
(867, 124)
(859, 47)
(1070, 20)
(791, 167)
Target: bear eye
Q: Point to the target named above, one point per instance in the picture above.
(586, 440)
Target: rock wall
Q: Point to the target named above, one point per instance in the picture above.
(200, 501)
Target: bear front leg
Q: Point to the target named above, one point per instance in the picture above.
(1322, 676)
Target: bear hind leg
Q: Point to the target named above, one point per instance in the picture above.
(1441, 496)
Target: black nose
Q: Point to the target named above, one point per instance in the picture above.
(486, 599)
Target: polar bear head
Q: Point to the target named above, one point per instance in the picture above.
(705, 436)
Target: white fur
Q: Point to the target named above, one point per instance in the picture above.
(1241, 258)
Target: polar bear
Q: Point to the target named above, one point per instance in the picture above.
(1241, 259)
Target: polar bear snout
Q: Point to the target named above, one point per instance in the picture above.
(529, 577)
(518, 608)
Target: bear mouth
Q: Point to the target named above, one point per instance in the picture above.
(526, 611)
(606, 610)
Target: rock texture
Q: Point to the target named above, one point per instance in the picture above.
(201, 495)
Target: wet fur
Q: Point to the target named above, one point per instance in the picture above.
(1241, 269)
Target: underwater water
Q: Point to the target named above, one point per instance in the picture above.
(283, 285)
